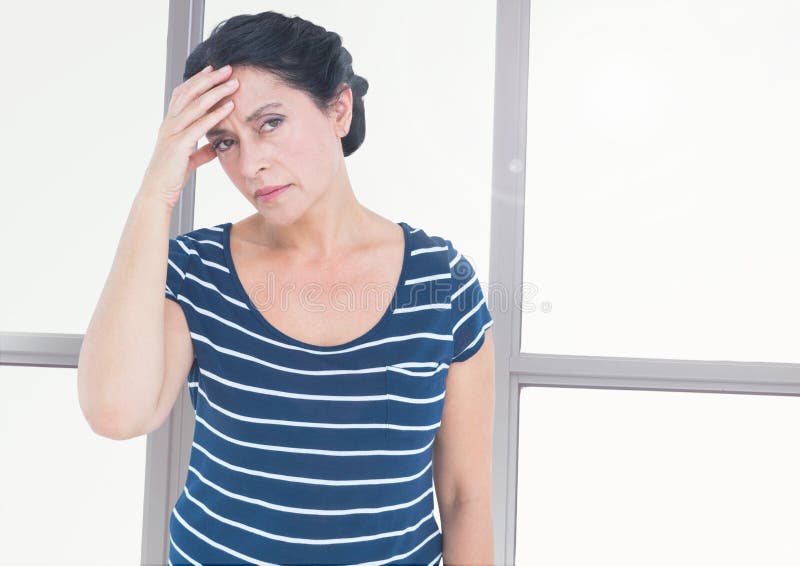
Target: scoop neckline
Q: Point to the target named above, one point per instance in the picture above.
(244, 297)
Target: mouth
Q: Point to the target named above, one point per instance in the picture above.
(267, 190)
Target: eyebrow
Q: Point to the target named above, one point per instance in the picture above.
(256, 113)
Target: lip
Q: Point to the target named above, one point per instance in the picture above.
(266, 190)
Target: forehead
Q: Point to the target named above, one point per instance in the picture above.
(260, 83)
(259, 92)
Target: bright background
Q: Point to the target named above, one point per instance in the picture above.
(661, 189)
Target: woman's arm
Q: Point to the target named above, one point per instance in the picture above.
(462, 459)
(121, 361)
(467, 539)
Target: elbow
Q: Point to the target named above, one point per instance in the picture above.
(110, 425)
(104, 421)
(116, 432)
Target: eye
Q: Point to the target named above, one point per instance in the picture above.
(216, 145)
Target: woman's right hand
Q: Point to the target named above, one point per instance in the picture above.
(188, 119)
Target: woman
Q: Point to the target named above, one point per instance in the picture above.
(316, 426)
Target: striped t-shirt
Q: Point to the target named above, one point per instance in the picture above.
(307, 454)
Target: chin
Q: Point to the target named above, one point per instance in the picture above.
(279, 216)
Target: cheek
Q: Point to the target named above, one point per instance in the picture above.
(229, 171)
(317, 154)
(233, 173)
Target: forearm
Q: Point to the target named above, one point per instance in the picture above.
(467, 533)
(121, 360)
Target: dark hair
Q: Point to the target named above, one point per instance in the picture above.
(302, 55)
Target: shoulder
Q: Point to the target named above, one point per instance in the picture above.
(197, 249)
(424, 241)
(438, 257)
(196, 241)
(469, 312)
(214, 232)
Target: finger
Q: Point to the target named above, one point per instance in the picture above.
(201, 126)
(185, 85)
(201, 156)
(201, 106)
(181, 87)
(185, 93)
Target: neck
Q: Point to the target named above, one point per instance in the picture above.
(336, 223)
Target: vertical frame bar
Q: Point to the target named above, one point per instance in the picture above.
(169, 447)
(507, 254)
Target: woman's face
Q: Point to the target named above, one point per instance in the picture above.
(291, 142)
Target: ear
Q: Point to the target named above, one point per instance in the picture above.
(343, 110)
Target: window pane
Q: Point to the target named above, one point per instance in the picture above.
(82, 109)
(67, 496)
(427, 155)
(624, 478)
(662, 174)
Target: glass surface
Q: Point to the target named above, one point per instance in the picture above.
(67, 495)
(83, 100)
(662, 175)
(624, 478)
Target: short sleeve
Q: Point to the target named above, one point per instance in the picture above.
(469, 311)
(177, 260)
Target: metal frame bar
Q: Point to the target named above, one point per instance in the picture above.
(506, 255)
(169, 447)
(43, 349)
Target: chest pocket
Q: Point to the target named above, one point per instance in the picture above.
(414, 406)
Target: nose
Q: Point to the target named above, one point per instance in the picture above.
(252, 159)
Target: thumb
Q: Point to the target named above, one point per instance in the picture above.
(202, 156)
